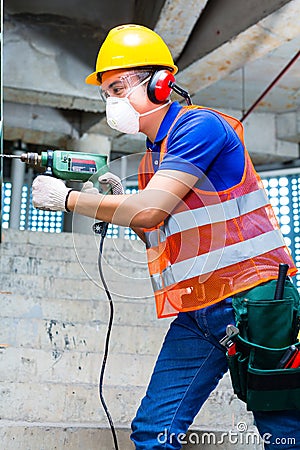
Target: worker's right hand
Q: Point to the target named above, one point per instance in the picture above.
(108, 181)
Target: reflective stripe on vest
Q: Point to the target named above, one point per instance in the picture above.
(207, 215)
(217, 259)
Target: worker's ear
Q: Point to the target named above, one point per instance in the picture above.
(160, 86)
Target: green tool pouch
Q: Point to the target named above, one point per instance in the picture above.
(267, 328)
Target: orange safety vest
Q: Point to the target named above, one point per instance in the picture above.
(214, 244)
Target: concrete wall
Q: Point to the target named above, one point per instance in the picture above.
(53, 319)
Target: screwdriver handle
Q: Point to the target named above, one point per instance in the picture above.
(282, 273)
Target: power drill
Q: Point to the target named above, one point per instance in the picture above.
(65, 165)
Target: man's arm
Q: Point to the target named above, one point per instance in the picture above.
(143, 210)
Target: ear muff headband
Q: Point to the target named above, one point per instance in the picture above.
(158, 87)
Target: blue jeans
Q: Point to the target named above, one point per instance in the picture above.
(188, 368)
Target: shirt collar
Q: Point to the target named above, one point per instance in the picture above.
(165, 125)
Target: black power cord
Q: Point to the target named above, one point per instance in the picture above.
(101, 229)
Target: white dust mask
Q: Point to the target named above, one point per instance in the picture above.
(122, 116)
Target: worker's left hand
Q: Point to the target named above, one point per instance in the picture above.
(88, 188)
(49, 193)
(109, 181)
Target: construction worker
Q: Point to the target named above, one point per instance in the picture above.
(210, 231)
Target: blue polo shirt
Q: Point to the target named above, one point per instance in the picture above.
(201, 142)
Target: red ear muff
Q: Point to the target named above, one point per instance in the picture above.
(158, 86)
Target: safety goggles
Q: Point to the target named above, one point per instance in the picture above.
(124, 84)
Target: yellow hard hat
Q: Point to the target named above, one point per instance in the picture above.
(129, 46)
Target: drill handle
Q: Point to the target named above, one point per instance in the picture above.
(282, 273)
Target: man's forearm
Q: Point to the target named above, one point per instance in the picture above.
(97, 206)
(135, 210)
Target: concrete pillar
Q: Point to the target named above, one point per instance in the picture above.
(17, 177)
(88, 143)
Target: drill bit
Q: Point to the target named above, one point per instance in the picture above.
(33, 159)
(10, 156)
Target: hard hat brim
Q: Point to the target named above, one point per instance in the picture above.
(92, 79)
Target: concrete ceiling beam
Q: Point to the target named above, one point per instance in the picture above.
(39, 70)
(52, 99)
(39, 125)
(176, 21)
(253, 43)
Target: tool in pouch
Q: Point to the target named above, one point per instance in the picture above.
(264, 356)
(228, 340)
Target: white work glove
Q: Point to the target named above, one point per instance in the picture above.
(49, 193)
(109, 181)
(88, 188)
